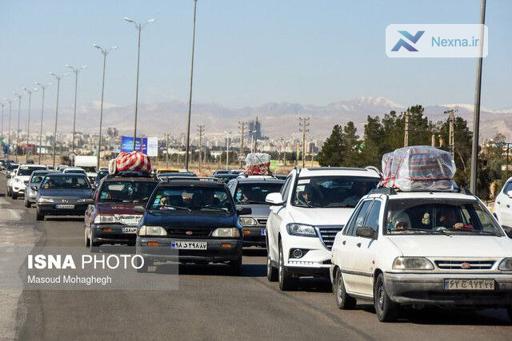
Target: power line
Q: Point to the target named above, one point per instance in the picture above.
(304, 129)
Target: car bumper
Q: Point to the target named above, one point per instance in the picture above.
(315, 261)
(254, 236)
(430, 289)
(113, 233)
(19, 189)
(218, 250)
(51, 209)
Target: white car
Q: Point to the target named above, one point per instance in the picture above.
(422, 248)
(306, 215)
(503, 205)
(18, 182)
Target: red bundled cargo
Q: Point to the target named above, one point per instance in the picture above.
(257, 164)
(418, 168)
(130, 162)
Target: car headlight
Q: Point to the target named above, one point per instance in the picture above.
(18, 180)
(105, 219)
(506, 264)
(248, 221)
(301, 230)
(152, 231)
(412, 263)
(226, 232)
(44, 200)
(89, 201)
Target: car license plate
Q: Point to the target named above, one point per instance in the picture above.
(182, 245)
(263, 232)
(129, 230)
(65, 206)
(469, 284)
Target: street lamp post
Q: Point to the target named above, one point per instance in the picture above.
(190, 90)
(139, 27)
(105, 53)
(43, 89)
(76, 70)
(18, 126)
(29, 92)
(58, 78)
(3, 107)
(9, 123)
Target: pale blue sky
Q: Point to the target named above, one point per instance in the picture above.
(250, 51)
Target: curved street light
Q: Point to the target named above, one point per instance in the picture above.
(58, 78)
(76, 70)
(43, 89)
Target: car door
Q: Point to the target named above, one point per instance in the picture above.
(349, 249)
(504, 205)
(364, 263)
(275, 220)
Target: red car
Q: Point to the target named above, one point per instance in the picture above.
(113, 219)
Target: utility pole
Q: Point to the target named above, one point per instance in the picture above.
(76, 71)
(9, 123)
(43, 89)
(58, 78)
(18, 127)
(451, 133)
(167, 150)
(3, 106)
(406, 129)
(191, 87)
(200, 130)
(242, 126)
(228, 137)
(478, 93)
(304, 129)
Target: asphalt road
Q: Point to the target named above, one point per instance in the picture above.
(206, 304)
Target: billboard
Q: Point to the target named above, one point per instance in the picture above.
(146, 145)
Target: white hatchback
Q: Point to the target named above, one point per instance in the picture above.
(423, 248)
(503, 205)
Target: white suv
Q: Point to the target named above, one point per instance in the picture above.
(18, 182)
(503, 205)
(306, 215)
(423, 248)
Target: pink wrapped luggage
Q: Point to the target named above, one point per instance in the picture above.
(134, 162)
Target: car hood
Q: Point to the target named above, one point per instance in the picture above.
(72, 193)
(184, 220)
(321, 216)
(117, 208)
(258, 210)
(22, 177)
(453, 246)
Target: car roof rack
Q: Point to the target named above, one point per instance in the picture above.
(130, 174)
(383, 190)
(190, 178)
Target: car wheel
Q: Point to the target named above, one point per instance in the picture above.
(235, 267)
(14, 195)
(39, 215)
(385, 308)
(87, 241)
(27, 204)
(144, 267)
(272, 272)
(8, 191)
(286, 280)
(343, 300)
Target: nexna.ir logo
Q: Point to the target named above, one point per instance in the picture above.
(411, 39)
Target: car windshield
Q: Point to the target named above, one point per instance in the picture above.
(28, 171)
(435, 216)
(254, 193)
(37, 178)
(331, 191)
(65, 182)
(192, 198)
(126, 191)
(74, 171)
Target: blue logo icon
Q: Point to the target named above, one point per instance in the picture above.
(411, 38)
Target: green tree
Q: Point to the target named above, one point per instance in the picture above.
(372, 146)
(332, 149)
(351, 146)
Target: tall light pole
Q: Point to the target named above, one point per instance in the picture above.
(3, 107)
(191, 83)
(478, 93)
(58, 78)
(139, 27)
(43, 89)
(76, 70)
(105, 53)
(18, 126)
(9, 123)
(29, 92)
(228, 138)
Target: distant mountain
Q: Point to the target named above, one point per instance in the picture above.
(278, 119)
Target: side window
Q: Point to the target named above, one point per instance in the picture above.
(359, 219)
(286, 188)
(508, 187)
(373, 217)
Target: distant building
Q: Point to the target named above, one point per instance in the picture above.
(254, 129)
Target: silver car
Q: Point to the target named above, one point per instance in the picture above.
(33, 184)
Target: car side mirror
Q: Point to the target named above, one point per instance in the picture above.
(509, 194)
(8, 175)
(366, 232)
(34, 188)
(244, 211)
(139, 209)
(508, 230)
(275, 199)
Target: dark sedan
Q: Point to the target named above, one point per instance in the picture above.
(63, 195)
(191, 221)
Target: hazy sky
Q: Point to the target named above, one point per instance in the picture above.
(249, 51)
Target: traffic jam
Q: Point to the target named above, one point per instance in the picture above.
(403, 236)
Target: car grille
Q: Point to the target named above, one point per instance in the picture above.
(25, 182)
(262, 221)
(184, 232)
(328, 233)
(464, 264)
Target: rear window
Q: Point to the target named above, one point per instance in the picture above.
(126, 191)
(28, 170)
(65, 182)
(187, 199)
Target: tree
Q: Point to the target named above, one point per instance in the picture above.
(372, 145)
(332, 149)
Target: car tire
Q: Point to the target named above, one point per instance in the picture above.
(39, 215)
(235, 267)
(8, 191)
(385, 308)
(286, 281)
(87, 241)
(27, 204)
(343, 300)
(14, 196)
(145, 266)
(272, 272)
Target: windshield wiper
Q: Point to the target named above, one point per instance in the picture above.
(176, 208)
